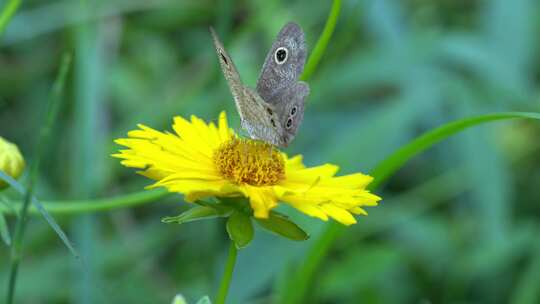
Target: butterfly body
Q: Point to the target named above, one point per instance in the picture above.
(274, 110)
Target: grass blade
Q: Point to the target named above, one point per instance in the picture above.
(322, 43)
(7, 207)
(4, 230)
(39, 207)
(7, 13)
(394, 162)
(44, 135)
(303, 278)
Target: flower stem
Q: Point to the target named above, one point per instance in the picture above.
(73, 207)
(44, 135)
(227, 274)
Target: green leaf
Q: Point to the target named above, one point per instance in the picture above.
(315, 256)
(50, 220)
(4, 230)
(281, 225)
(204, 300)
(240, 204)
(219, 204)
(195, 214)
(240, 229)
(397, 159)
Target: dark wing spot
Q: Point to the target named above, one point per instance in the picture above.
(269, 111)
(289, 123)
(293, 111)
(273, 122)
(281, 55)
(224, 58)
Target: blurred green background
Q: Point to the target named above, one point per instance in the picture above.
(459, 224)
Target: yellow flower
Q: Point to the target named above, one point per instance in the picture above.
(201, 160)
(11, 160)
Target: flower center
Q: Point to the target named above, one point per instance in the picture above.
(249, 161)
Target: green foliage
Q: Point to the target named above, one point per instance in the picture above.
(283, 226)
(383, 171)
(4, 230)
(179, 299)
(29, 198)
(43, 141)
(204, 300)
(457, 223)
(240, 229)
(401, 156)
(195, 214)
(7, 13)
(321, 45)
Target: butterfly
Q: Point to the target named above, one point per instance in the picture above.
(274, 110)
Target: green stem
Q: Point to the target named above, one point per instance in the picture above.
(97, 205)
(43, 139)
(295, 293)
(227, 275)
(7, 13)
(15, 252)
(322, 43)
(303, 277)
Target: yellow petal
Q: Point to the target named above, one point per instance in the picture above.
(223, 127)
(294, 163)
(340, 215)
(310, 209)
(261, 199)
(185, 162)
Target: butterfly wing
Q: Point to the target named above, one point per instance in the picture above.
(289, 106)
(283, 64)
(257, 116)
(278, 84)
(231, 73)
(261, 121)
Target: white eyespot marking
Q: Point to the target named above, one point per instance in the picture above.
(281, 55)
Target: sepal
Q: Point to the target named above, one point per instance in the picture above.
(281, 225)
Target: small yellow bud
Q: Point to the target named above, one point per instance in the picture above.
(11, 160)
(179, 299)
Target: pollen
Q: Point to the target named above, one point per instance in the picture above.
(253, 162)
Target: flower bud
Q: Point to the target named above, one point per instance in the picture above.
(11, 160)
(179, 299)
